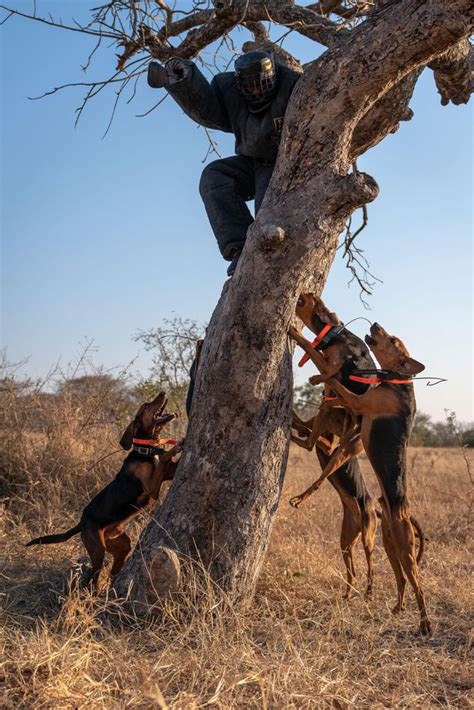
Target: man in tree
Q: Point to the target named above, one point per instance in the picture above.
(250, 103)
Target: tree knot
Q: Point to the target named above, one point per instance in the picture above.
(271, 236)
(352, 191)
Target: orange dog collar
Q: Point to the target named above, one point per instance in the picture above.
(155, 442)
(378, 380)
(315, 342)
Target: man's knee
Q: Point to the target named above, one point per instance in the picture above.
(213, 176)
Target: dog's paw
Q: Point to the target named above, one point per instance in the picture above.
(425, 627)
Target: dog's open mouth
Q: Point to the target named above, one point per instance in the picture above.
(370, 341)
(165, 418)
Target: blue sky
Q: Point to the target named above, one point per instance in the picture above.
(103, 238)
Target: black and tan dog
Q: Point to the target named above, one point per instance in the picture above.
(342, 352)
(387, 412)
(135, 488)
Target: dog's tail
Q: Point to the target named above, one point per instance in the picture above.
(418, 533)
(52, 539)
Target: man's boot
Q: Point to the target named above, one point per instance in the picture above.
(233, 264)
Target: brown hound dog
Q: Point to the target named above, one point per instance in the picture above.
(387, 412)
(135, 488)
(342, 352)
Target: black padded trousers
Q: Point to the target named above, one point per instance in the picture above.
(225, 186)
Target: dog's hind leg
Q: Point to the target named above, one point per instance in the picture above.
(350, 531)
(404, 540)
(369, 528)
(93, 539)
(390, 549)
(121, 548)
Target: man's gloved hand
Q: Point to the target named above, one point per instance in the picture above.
(177, 69)
(157, 76)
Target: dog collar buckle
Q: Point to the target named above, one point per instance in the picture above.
(322, 340)
(329, 337)
(148, 450)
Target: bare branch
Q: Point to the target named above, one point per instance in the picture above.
(283, 56)
(142, 115)
(308, 23)
(205, 26)
(85, 67)
(93, 84)
(258, 30)
(357, 262)
(10, 13)
(169, 13)
(59, 24)
(117, 99)
(212, 146)
(345, 10)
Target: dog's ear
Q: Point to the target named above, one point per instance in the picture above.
(326, 316)
(412, 367)
(127, 437)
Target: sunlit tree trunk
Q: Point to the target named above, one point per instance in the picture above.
(223, 500)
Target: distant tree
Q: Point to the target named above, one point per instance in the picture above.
(443, 433)
(307, 399)
(422, 433)
(468, 438)
(173, 347)
(101, 396)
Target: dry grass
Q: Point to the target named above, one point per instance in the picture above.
(299, 646)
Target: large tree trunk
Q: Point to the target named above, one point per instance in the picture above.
(226, 491)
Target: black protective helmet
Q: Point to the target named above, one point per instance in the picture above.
(256, 77)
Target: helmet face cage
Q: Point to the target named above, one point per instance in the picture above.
(256, 78)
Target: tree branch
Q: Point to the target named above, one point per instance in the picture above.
(54, 23)
(453, 73)
(336, 7)
(385, 115)
(205, 26)
(339, 84)
(283, 56)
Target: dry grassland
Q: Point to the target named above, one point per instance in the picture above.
(299, 646)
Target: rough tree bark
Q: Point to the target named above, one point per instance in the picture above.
(226, 492)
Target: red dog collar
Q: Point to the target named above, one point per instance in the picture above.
(154, 442)
(315, 342)
(378, 380)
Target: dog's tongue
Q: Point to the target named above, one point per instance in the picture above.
(165, 418)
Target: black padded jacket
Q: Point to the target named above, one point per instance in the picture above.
(220, 105)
